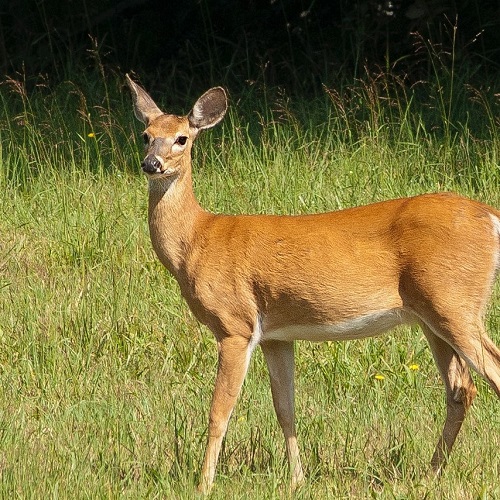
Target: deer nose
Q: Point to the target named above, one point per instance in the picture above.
(151, 165)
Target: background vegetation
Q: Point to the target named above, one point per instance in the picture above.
(105, 377)
(297, 44)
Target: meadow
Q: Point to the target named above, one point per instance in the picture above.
(106, 377)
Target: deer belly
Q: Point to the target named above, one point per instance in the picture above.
(368, 325)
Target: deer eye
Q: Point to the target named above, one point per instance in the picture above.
(181, 140)
(145, 138)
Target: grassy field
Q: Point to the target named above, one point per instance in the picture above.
(106, 377)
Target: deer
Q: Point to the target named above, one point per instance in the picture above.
(269, 280)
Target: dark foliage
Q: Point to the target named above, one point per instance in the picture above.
(299, 44)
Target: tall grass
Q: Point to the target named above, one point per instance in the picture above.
(105, 376)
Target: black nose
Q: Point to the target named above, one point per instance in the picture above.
(151, 164)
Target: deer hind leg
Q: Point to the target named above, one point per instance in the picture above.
(465, 342)
(483, 356)
(460, 392)
(234, 356)
(280, 362)
(470, 340)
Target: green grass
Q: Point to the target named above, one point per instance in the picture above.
(105, 376)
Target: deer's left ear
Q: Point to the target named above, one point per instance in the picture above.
(145, 108)
(209, 109)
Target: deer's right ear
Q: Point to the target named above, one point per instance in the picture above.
(145, 108)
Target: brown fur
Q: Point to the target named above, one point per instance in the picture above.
(269, 280)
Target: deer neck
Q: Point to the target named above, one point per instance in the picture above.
(173, 215)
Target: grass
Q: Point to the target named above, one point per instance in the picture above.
(105, 376)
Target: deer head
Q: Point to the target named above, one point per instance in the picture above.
(168, 138)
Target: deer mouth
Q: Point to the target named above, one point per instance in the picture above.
(153, 166)
(161, 173)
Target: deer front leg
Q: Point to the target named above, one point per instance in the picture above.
(234, 356)
(281, 365)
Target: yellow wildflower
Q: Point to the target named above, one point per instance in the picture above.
(379, 376)
(414, 367)
(91, 134)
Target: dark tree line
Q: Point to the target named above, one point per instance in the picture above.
(295, 42)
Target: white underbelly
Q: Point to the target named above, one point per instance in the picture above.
(367, 325)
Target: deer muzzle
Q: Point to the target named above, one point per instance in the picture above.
(152, 165)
